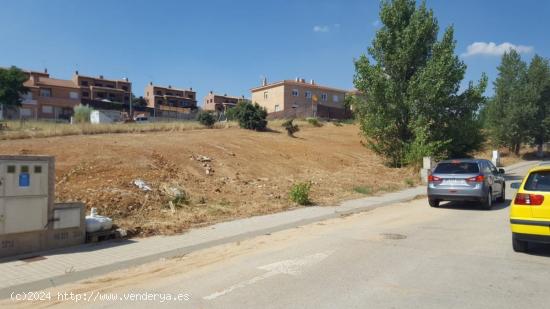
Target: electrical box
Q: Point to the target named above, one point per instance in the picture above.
(29, 219)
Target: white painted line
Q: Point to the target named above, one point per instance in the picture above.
(288, 267)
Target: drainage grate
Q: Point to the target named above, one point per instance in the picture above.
(31, 259)
(393, 236)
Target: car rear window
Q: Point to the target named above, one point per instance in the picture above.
(457, 168)
(538, 181)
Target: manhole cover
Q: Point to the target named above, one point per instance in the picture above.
(393, 236)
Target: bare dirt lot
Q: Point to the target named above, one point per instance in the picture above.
(245, 173)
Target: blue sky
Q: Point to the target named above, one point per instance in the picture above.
(227, 46)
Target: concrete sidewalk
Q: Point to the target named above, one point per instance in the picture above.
(57, 267)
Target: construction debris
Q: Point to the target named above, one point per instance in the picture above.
(141, 184)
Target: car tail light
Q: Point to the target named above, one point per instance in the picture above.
(528, 199)
(432, 178)
(478, 178)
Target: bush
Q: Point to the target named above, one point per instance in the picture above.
(290, 127)
(250, 116)
(363, 190)
(299, 193)
(205, 118)
(82, 113)
(314, 122)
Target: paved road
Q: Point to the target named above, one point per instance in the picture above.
(400, 256)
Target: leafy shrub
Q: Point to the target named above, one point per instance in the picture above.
(290, 127)
(82, 113)
(250, 116)
(363, 190)
(409, 182)
(205, 118)
(314, 122)
(299, 193)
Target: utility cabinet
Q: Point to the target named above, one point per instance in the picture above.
(29, 219)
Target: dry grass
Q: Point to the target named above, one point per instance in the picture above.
(41, 129)
(251, 172)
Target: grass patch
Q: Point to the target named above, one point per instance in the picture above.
(39, 129)
(409, 182)
(314, 122)
(363, 190)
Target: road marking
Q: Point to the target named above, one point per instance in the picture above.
(287, 267)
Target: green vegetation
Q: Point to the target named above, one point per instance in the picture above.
(11, 86)
(411, 106)
(299, 193)
(363, 190)
(409, 182)
(314, 122)
(520, 109)
(250, 116)
(82, 113)
(206, 118)
(290, 127)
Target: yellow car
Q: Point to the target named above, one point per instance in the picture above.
(530, 210)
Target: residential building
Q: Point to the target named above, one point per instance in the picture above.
(48, 98)
(99, 89)
(298, 98)
(219, 103)
(166, 100)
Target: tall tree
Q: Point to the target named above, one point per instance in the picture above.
(538, 78)
(413, 106)
(11, 86)
(511, 112)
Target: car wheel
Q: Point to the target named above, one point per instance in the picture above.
(502, 196)
(433, 203)
(488, 202)
(519, 245)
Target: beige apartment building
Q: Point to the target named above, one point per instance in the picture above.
(169, 99)
(48, 98)
(219, 103)
(99, 89)
(298, 98)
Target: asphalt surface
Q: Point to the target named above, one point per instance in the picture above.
(406, 255)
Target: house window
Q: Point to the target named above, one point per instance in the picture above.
(101, 94)
(159, 92)
(277, 108)
(85, 94)
(265, 95)
(98, 85)
(125, 88)
(84, 83)
(73, 95)
(307, 94)
(335, 98)
(159, 102)
(25, 112)
(45, 92)
(46, 109)
(324, 96)
(295, 92)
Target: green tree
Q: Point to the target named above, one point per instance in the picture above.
(411, 82)
(250, 116)
(206, 118)
(538, 78)
(11, 86)
(511, 112)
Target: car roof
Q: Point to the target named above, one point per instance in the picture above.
(463, 161)
(543, 166)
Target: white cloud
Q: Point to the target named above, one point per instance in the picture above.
(376, 23)
(492, 49)
(321, 28)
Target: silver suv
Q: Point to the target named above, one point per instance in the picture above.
(476, 180)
